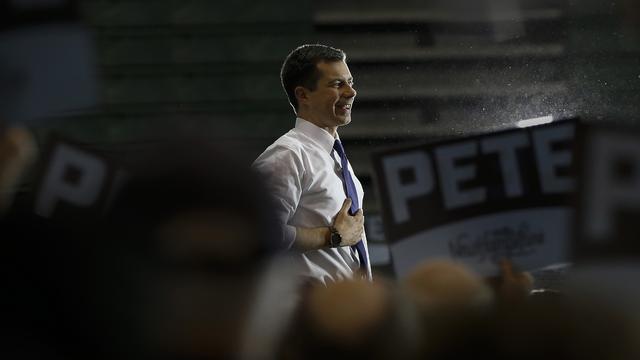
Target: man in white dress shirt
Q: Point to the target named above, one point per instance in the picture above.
(306, 174)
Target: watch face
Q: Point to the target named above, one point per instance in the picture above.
(336, 239)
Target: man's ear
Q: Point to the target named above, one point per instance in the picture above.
(301, 94)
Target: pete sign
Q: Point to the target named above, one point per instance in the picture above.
(480, 199)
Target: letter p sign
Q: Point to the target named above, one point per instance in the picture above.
(73, 177)
(609, 191)
(400, 192)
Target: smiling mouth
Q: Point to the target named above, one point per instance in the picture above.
(345, 107)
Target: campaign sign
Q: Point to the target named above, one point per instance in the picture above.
(609, 202)
(75, 183)
(480, 199)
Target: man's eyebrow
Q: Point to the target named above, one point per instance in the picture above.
(350, 79)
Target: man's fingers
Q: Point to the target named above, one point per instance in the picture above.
(358, 234)
(346, 205)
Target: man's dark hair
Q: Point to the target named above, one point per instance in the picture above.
(299, 68)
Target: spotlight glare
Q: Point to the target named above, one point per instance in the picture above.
(535, 121)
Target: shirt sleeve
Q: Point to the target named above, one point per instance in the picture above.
(283, 169)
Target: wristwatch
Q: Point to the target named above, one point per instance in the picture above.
(335, 240)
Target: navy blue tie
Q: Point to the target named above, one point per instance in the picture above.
(350, 190)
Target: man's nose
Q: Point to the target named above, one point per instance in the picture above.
(350, 92)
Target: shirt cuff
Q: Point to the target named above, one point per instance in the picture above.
(289, 235)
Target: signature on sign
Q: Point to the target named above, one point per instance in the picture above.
(495, 244)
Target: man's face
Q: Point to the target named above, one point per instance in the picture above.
(329, 105)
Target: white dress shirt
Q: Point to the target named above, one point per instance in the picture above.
(304, 174)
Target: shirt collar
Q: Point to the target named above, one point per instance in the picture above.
(317, 134)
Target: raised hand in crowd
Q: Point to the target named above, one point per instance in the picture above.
(17, 152)
(511, 286)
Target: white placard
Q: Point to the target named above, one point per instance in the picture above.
(480, 199)
(532, 238)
